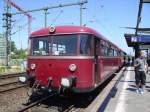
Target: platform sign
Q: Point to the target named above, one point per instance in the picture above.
(143, 38)
(134, 39)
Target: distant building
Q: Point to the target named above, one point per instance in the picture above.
(2, 50)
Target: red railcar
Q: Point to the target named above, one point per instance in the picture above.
(71, 58)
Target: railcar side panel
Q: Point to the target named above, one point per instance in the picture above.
(109, 65)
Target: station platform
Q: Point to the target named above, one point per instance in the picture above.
(126, 99)
(120, 94)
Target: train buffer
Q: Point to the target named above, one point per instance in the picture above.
(126, 99)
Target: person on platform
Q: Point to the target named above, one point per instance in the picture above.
(140, 65)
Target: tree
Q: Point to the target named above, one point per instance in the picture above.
(13, 46)
(19, 54)
(16, 53)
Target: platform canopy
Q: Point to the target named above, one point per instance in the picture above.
(146, 1)
(131, 39)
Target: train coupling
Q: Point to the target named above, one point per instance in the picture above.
(49, 82)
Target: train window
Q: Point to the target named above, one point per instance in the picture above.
(40, 46)
(102, 48)
(86, 44)
(122, 53)
(105, 51)
(64, 45)
(115, 53)
(110, 52)
(55, 45)
(119, 53)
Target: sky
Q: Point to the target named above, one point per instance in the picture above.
(108, 17)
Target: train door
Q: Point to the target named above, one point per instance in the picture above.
(96, 54)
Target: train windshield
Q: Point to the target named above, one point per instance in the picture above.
(54, 45)
(86, 44)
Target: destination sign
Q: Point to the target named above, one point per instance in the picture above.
(142, 38)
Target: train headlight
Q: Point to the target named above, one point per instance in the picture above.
(32, 66)
(65, 82)
(22, 79)
(72, 67)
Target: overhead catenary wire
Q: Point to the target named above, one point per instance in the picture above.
(81, 3)
(20, 28)
(69, 23)
(54, 20)
(95, 20)
(53, 7)
(17, 21)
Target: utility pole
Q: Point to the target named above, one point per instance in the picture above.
(45, 14)
(20, 37)
(6, 30)
(9, 2)
(81, 7)
(7, 25)
(139, 16)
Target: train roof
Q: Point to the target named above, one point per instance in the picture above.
(69, 30)
(64, 30)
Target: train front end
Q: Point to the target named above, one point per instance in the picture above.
(60, 61)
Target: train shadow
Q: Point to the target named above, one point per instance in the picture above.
(62, 103)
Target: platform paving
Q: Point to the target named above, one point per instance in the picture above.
(126, 99)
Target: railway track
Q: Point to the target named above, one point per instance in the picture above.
(72, 108)
(38, 105)
(9, 82)
(30, 106)
(61, 105)
(10, 86)
(5, 76)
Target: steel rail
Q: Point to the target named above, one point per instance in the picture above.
(69, 108)
(11, 75)
(72, 108)
(12, 88)
(36, 103)
(5, 84)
